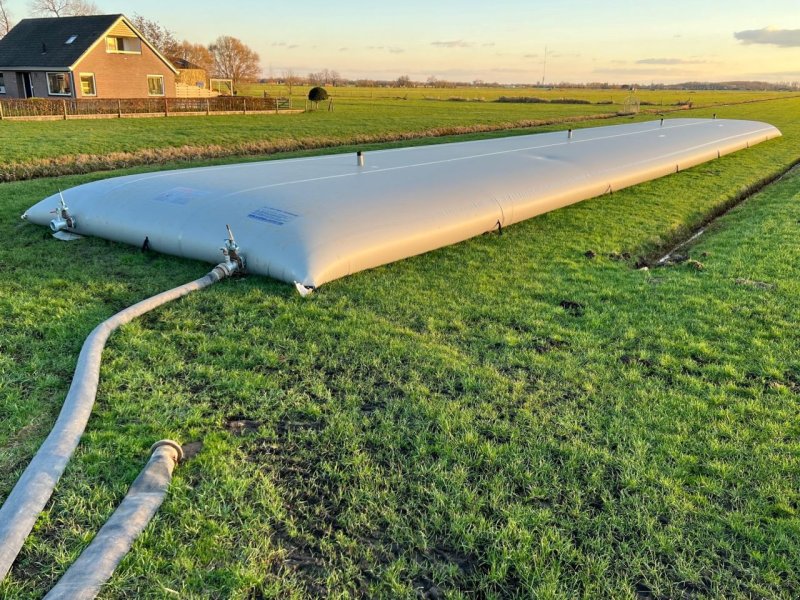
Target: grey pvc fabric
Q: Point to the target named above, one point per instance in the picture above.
(313, 220)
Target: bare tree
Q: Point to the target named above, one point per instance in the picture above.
(5, 19)
(290, 79)
(233, 59)
(155, 33)
(83, 7)
(63, 8)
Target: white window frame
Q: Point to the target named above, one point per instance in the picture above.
(117, 50)
(2, 83)
(163, 87)
(50, 92)
(94, 84)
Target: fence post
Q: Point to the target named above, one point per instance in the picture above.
(244, 105)
(1, 111)
(166, 107)
(208, 107)
(64, 106)
(119, 109)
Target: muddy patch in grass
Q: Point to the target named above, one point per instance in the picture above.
(241, 426)
(759, 285)
(576, 309)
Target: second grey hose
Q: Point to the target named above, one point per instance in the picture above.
(34, 488)
(84, 579)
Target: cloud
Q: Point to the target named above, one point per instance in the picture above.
(531, 56)
(668, 61)
(344, 49)
(488, 45)
(293, 46)
(643, 72)
(785, 38)
(452, 44)
(389, 49)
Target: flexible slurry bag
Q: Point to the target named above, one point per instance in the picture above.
(312, 220)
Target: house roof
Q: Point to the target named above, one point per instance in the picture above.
(182, 63)
(60, 43)
(45, 42)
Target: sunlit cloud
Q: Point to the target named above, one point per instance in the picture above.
(452, 44)
(785, 38)
(668, 61)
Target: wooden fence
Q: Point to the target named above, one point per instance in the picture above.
(50, 109)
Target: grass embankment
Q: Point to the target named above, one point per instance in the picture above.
(660, 98)
(39, 149)
(504, 417)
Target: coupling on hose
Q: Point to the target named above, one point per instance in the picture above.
(234, 261)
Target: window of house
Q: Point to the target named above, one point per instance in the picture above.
(87, 84)
(2, 84)
(123, 45)
(155, 85)
(71, 39)
(58, 84)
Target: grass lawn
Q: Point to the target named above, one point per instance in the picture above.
(506, 417)
(31, 149)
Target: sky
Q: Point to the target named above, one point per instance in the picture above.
(616, 41)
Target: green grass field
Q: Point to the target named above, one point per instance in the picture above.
(506, 417)
(30, 149)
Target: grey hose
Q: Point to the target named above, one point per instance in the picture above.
(94, 567)
(29, 496)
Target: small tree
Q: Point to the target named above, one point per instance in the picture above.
(233, 59)
(317, 95)
(290, 79)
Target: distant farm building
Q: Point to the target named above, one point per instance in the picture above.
(99, 56)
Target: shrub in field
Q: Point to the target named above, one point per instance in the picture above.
(317, 94)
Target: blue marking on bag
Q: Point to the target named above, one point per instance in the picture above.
(275, 216)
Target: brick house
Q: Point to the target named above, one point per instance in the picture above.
(98, 56)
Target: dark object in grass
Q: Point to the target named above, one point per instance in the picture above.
(191, 449)
(239, 426)
(146, 244)
(618, 256)
(761, 285)
(590, 254)
(643, 591)
(676, 259)
(575, 309)
(696, 265)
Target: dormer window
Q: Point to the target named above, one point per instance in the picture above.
(71, 39)
(123, 45)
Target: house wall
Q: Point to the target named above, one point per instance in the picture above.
(123, 75)
(10, 78)
(14, 90)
